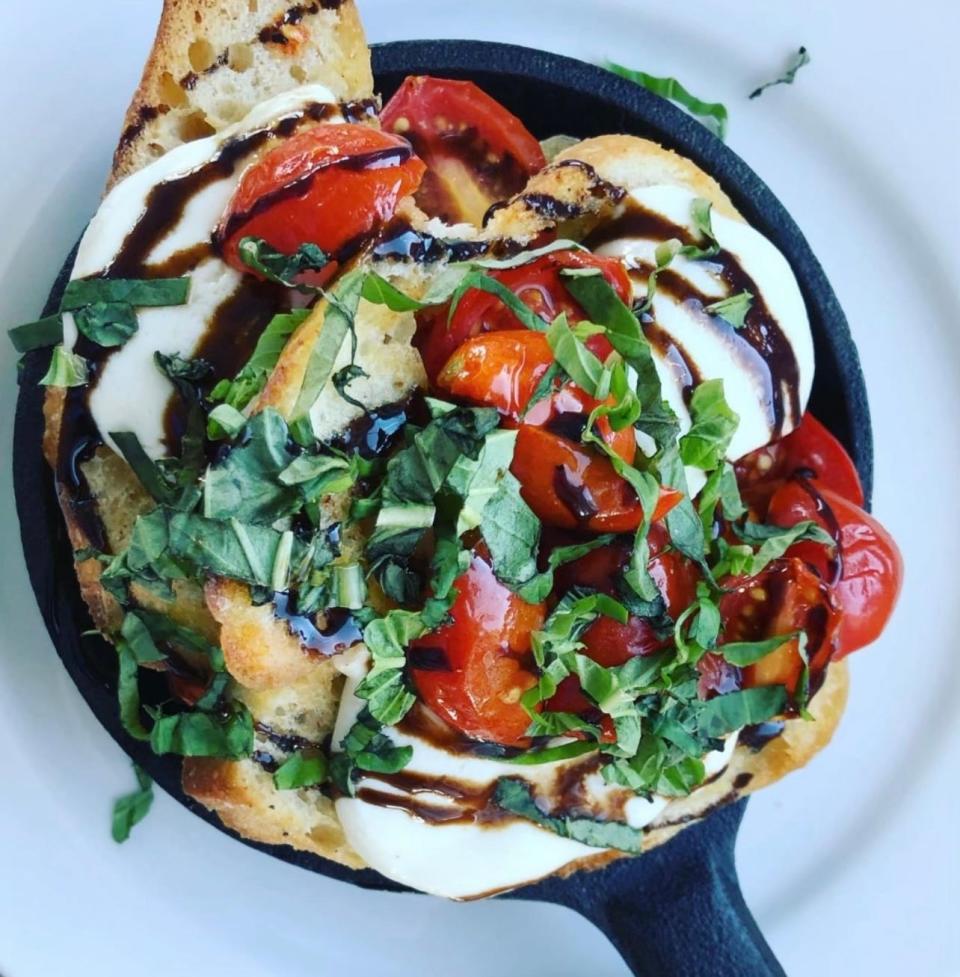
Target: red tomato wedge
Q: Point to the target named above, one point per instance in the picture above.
(569, 486)
(502, 370)
(810, 448)
(786, 596)
(332, 185)
(478, 689)
(867, 571)
(477, 152)
(537, 284)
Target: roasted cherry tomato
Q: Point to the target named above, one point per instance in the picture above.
(787, 596)
(570, 486)
(811, 448)
(332, 185)
(477, 152)
(538, 284)
(866, 571)
(502, 369)
(478, 688)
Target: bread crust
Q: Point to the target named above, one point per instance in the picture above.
(212, 60)
(287, 689)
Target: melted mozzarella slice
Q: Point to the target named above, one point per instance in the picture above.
(690, 342)
(131, 394)
(466, 858)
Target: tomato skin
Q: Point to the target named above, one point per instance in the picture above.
(310, 188)
(870, 564)
(540, 286)
(544, 462)
(499, 369)
(786, 596)
(811, 448)
(502, 370)
(484, 645)
(477, 151)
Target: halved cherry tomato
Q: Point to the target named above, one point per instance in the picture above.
(867, 562)
(479, 690)
(538, 284)
(570, 486)
(502, 369)
(332, 185)
(786, 596)
(477, 152)
(810, 448)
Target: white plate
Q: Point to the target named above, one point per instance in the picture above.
(849, 865)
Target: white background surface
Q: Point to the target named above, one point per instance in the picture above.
(850, 865)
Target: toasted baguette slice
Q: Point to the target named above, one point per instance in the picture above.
(213, 60)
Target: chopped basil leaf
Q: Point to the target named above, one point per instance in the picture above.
(246, 484)
(128, 692)
(248, 383)
(733, 309)
(229, 735)
(800, 59)
(714, 425)
(516, 797)
(140, 293)
(380, 292)
(338, 320)
(146, 470)
(66, 370)
(107, 323)
(476, 481)
(712, 114)
(278, 267)
(776, 540)
(512, 534)
(36, 335)
(366, 748)
(576, 360)
(385, 687)
(132, 808)
(744, 653)
(720, 491)
(168, 544)
(226, 419)
(139, 640)
(546, 386)
(349, 588)
(726, 713)
(551, 754)
(301, 770)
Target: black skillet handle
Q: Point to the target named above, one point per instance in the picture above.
(677, 911)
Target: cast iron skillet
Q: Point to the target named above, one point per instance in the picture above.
(678, 909)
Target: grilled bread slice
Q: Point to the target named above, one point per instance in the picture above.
(213, 60)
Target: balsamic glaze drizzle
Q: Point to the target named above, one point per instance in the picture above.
(343, 631)
(761, 346)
